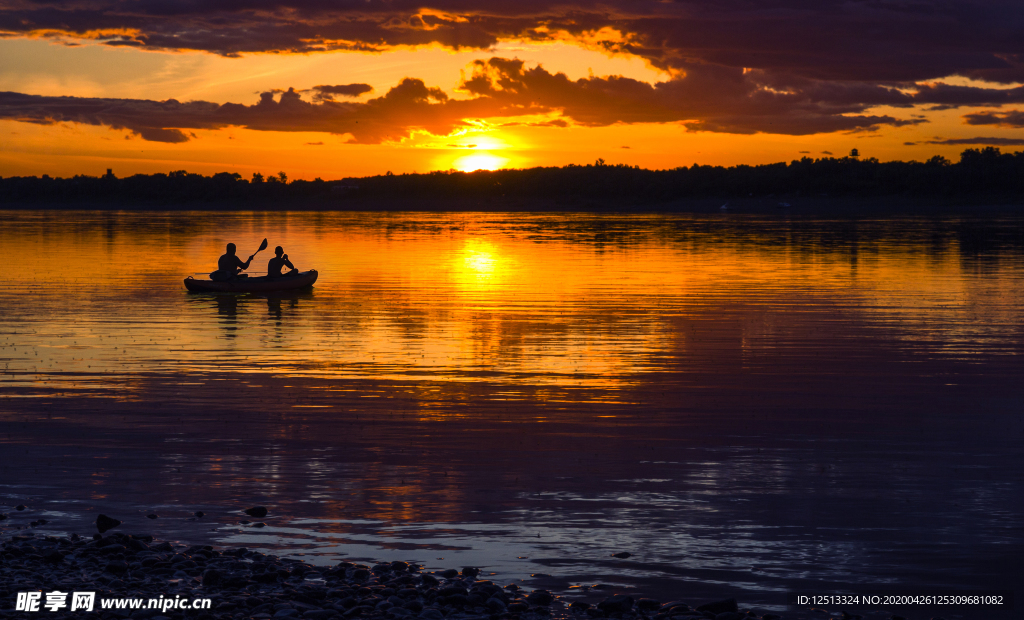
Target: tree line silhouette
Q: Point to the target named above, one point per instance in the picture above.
(979, 174)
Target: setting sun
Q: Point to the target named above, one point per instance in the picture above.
(479, 161)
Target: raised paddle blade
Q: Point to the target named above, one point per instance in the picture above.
(263, 246)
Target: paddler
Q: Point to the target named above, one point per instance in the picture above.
(279, 262)
(229, 265)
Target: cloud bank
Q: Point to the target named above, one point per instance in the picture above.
(778, 66)
(1013, 118)
(707, 99)
(877, 40)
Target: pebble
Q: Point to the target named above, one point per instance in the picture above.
(247, 584)
(619, 603)
(256, 511)
(720, 607)
(104, 523)
(117, 567)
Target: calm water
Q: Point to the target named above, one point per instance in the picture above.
(748, 405)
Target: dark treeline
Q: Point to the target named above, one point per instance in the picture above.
(985, 174)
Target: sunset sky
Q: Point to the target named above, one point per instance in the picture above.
(321, 88)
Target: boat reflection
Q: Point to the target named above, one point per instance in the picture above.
(227, 313)
(280, 305)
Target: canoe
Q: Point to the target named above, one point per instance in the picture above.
(263, 284)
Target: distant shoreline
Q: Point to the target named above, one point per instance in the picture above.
(980, 180)
(786, 205)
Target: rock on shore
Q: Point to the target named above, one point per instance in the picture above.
(244, 584)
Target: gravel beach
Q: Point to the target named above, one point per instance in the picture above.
(242, 583)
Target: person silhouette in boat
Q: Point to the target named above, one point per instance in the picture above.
(229, 265)
(279, 262)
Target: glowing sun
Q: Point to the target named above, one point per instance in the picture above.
(479, 161)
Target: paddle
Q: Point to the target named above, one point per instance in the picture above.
(263, 246)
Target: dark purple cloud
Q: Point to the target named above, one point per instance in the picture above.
(862, 40)
(708, 98)
(143, 118)
(980, 140)
(1013, 118)
(945, 96)
(407, 107)
(327, 93)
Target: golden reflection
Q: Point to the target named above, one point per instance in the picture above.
(530, 305)
(479, 264)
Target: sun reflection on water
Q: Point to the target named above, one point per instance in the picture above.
(480, 263)
(522, 300)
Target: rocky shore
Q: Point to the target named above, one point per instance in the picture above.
(242, 583)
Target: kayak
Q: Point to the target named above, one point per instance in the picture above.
(263, 284)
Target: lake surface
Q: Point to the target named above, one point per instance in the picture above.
(751, 406)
